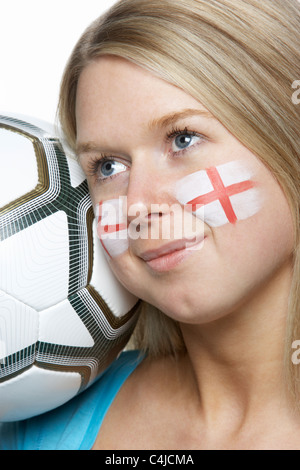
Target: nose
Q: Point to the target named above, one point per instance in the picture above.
(149, 193)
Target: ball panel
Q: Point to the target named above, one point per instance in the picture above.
(76, 174)
(35, 263)
(48, 175)
(15, 364)
(41, 390)
(68, 359)
(61, 325)
(106, 284)
(20, 159)
(81, 247)
(89, 367)
(20, 121)
(108, 340)
(20, 319)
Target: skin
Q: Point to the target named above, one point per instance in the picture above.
(230, 296)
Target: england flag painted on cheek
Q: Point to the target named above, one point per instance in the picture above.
(220, 195)
(112, 226)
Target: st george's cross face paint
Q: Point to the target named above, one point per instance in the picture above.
(220, 195)
(112, 226)
(217, 195)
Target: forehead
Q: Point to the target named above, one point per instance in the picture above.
(113, 90)
(110, 76)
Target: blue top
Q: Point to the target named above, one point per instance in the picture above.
(75, 425)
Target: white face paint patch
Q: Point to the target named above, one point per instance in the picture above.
(225, 194)
(112, 226)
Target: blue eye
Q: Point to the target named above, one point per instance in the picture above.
(111, 167)
(106, 167)
(183, 139)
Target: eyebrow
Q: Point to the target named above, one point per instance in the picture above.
(171, 118)
(87, 147)
(162, 122)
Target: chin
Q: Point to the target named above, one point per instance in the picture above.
(189, 310)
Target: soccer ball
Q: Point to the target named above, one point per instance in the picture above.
(63, 315)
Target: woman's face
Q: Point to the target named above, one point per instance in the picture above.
(191, 220)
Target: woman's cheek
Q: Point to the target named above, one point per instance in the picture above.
(220, 195)
(112, 227)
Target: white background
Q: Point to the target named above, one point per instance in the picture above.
(36, 40)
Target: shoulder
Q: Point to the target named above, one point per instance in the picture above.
(123, 366)
(74, 425)
(143, 401)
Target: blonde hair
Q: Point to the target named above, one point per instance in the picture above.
(239, 59)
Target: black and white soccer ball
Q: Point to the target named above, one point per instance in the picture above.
(63, 315)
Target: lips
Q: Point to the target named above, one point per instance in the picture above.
(171, 247)
(170, 255)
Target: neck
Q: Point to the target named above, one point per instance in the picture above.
(237, 361)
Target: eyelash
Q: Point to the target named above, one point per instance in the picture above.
(94, 163)
(176, 131)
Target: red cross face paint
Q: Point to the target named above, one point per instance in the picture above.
(112, 226)
(225, 193)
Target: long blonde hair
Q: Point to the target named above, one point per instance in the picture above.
(239, 59)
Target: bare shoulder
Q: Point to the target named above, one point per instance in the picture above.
(157, 408)
(142, 406)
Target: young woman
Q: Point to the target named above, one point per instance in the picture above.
(181, 115)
